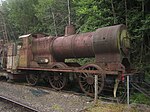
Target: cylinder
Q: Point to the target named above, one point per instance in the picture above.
(74, 46)
(70, 30)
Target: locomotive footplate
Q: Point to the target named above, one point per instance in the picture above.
(69, 70)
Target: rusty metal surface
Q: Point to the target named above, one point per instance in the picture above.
(108, 43)
(26, 41)
(105, 44)
(41, 46)
(25, 53)
(70, 30)
(106, 39)
(11, 49)
(71, 70)
(12, 58)
(41, 50)
(25, 57)
(74, 46)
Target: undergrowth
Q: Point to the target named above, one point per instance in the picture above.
(140, 99)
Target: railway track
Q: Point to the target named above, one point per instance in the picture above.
(44, 99)
(103, 97)
(18, 104)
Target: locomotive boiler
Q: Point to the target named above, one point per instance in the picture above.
(43, 56)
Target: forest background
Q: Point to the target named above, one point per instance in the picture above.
(51, 17)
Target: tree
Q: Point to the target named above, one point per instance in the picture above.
(52, 15)
(21, 15)
(92, 14)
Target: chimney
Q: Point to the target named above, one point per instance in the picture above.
(69, 30)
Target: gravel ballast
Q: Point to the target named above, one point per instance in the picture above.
(45, 100)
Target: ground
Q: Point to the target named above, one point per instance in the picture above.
(113, 107)
(57, 101)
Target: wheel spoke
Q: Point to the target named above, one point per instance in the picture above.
(32, 79)
(61, 83)
(82, 76)
(85, 74)
(86, 80)
(83, 81)
(58, 85)
(58, 80)
(86, 87)
(84, 84)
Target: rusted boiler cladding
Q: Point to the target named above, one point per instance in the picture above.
(85, 45)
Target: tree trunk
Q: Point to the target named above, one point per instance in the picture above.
(69, 18)
(126, 12)
(113, 9)
(143, 36)
(54, 24)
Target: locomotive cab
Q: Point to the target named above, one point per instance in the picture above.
(25, 51)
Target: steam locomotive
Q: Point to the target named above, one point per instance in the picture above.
(39, 56)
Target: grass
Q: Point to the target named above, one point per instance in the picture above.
(110, 107)
(136, 98)
(140, 99)
(56, 107)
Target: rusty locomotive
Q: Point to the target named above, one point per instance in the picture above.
(42, 56)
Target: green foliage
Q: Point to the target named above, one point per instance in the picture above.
(81, 61)
(47, 12)
(21, 15)
(140, 98)
(84, 61)
(92, 14)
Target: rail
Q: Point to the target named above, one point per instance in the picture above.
(19, 104)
